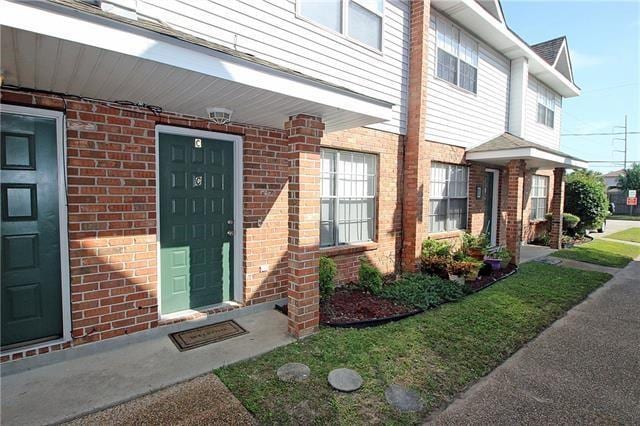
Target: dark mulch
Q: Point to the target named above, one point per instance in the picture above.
(486, 280)
(350, 305)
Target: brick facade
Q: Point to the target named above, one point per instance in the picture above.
(384, 251)
(557, 208)
(516, 170)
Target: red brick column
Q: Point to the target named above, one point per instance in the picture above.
(416, 162)
(515, 193)
(304, 134)
(557, 208)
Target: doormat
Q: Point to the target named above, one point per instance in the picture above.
(200, 336)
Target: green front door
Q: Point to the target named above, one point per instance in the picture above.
(196, 221)
(30, 249)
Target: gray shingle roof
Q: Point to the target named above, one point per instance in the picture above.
(508, 141)
(548, 50)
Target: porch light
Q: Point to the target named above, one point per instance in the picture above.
(219, 115)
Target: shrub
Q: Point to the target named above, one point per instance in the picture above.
(369, 277)
(435, 265)
(569, 221)
(431, 248)
(542, 240)
(503, 254)
(471, 242)
(585, 197)
(424, 291)
(328, 272)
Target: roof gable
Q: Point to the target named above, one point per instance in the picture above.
(493, 7)
(556, 53)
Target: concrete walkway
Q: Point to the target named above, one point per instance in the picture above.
(62, 385)
(584, 369)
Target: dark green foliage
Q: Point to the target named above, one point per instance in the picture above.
(328, 272)
(586, 197)
(424, 291)
(569, 221)
(369, 277)
(630, 179)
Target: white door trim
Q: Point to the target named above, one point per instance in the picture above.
(61, 142)
(494, 212)
(238, 276)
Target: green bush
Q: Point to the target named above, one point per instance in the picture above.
(424, 291)
(473, 242)
(586, 197)
(369, 277)
(328, 272)
(435, 248)
(569, 221)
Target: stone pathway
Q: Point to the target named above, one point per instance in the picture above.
(293, 372)
(613, 240)
(403, 399)
(569, 263)
(344, 380)
(203, 400)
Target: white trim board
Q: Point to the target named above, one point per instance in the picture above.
(238, 276)
(61, 143)
(496, 207)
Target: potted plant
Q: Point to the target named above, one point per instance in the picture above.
(458, 269)
(504, 255)
(474, 268)
(496, 264)
(475, 246)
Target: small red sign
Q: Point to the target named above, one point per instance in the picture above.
(632, 201)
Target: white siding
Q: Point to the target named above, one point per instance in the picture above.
(458, 117)
(270, 29)
(534, 131)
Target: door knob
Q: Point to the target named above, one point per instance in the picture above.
(230, 233)
(230, 222)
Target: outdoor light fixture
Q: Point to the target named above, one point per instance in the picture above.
(219, 115)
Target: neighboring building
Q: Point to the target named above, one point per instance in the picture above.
(357, 128)
(611, 178)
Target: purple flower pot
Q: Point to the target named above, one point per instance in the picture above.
(495, 264)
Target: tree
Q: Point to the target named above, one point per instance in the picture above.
(586, 197)
(630, 179)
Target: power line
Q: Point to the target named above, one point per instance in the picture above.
(600, 134)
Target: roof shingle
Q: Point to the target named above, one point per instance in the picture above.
(548, 50)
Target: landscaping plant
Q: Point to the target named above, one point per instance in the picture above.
(435, 257)
(569, 221)
(475, 246)
(369, 277)
(504, 255)
(586, 197)
(424, 291)
(328, 272)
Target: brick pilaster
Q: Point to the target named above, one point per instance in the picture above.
(416, 160)
(557, 208)
(514, 204)
(304, 134)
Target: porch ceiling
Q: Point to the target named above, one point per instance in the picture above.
(75, 53)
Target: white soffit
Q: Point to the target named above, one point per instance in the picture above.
(474, 17)
(533, 156)
(80, 54)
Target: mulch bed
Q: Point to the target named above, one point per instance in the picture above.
(350, 306)
(486, 280)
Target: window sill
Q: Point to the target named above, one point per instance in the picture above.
(446, 234)
(537, 221)
(348, 249)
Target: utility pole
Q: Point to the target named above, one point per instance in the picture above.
(625, 141)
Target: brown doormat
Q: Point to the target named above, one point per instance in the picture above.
(200, 336)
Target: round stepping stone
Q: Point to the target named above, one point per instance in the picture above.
(293, 372)
(344, 380)
(403, 399)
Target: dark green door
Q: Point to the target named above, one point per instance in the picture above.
(30, 250)
(488, 206)
(196, 221)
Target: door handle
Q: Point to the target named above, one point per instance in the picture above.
(230, 233)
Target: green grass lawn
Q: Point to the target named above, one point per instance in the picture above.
(623, 217)
(632, 234)
(600, 252)
(438, 353)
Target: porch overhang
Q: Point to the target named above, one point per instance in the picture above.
(507, 147)
(68, 48)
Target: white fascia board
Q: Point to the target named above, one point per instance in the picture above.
(60, 22)
(527, 154)
(512, 46)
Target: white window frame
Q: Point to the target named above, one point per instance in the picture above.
(448, 227)
(336, 198)
(344, 23)
(547, 104)
(535, 179)
(439, 22)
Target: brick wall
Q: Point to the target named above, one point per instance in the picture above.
(112, 212)
(385, 251)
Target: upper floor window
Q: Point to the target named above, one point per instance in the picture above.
(448, 197)
(358, 19)
(539, 197)
(347, 199)
(546, 106)
(457, 56)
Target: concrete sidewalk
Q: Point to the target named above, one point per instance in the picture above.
(584, 369)
(62, 385)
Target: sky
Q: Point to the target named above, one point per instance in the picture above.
(604, 42)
